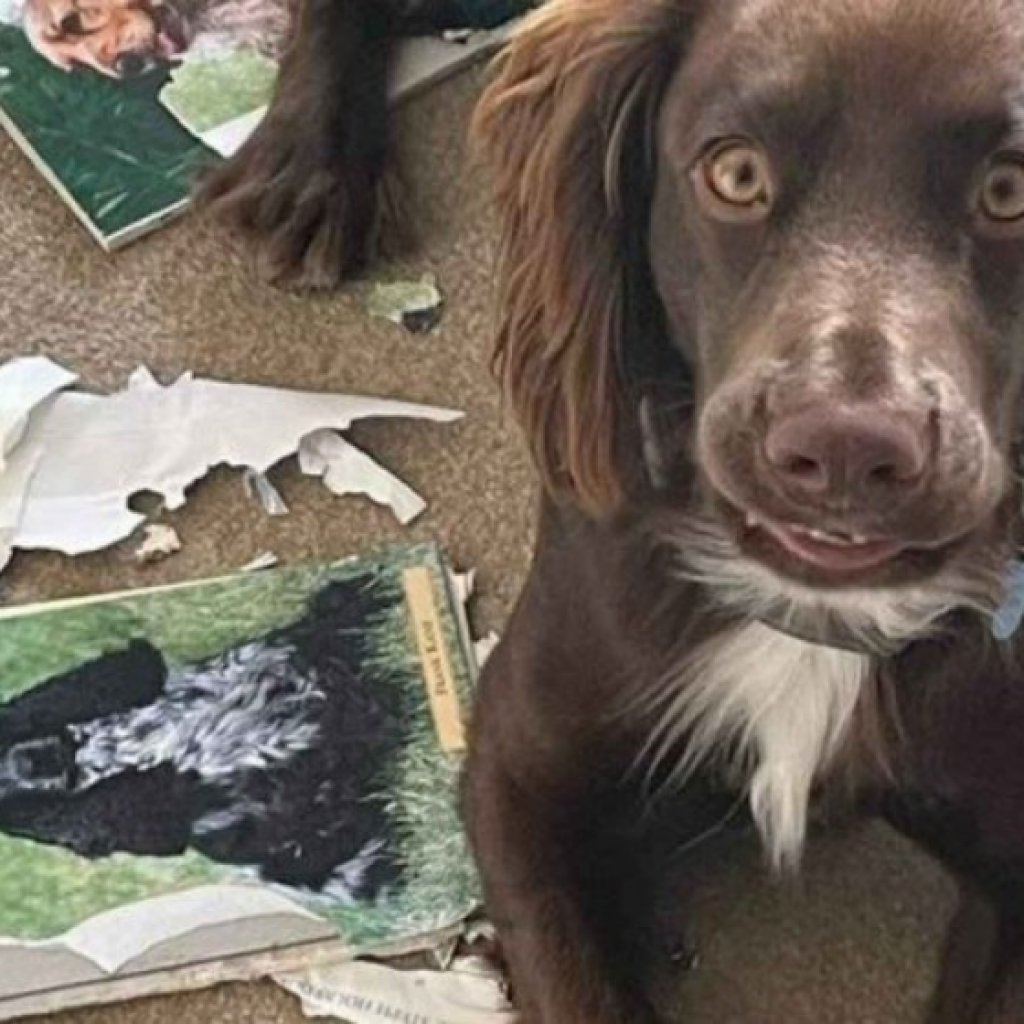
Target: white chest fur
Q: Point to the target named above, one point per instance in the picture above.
(782, 706)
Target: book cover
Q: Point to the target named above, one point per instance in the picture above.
(229, 768)
(123, 135)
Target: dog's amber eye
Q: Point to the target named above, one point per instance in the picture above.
(734, 181)
(1000, 196)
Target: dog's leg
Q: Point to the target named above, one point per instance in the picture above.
(309, 186)
(107, 685)
(555, 890)
(145, 813)
(982, 967)
(313, 186)
(566, 838)
(961, 800)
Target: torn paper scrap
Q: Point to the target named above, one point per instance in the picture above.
(268, 560)
(158, 542)
(415, 305)
(68, 483)
(24, 385)
(346, 469)
(464, 585)
(365, 993)
(259, 487)
(118, 937)
(485, 647)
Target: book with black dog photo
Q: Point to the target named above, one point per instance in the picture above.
(120, 104)
(215, 780)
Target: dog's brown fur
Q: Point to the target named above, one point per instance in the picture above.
(652, 346)
(315, 190)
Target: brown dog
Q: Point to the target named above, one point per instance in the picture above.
(128, 38)
(763, 321)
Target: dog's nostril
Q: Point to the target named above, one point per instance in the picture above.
(71, 24)
(821, 450)
(802, 466)
(887, 474)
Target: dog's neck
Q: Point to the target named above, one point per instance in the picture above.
(769, 711)
(821, 629)
(781, 684)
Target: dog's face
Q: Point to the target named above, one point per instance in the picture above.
(831, 199)
(118, 38)
(838, 238)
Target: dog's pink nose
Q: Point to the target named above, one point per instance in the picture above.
(843, 454)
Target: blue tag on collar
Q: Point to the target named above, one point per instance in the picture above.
(1007, 620)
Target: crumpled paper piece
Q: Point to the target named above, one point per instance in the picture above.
(80, 457)
(415, 305)
(345, 469)
(367, 993)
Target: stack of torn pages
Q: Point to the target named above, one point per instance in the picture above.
(70, 461)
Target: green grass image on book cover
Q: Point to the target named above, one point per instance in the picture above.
(45, 889)
(120, 156)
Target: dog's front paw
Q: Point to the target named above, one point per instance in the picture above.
(314, 219)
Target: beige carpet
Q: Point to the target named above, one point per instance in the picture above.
(852, 943)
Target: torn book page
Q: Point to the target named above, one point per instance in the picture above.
(68, 482)
(24, 385)
(364, 993)
(14, 484)
(346, 469)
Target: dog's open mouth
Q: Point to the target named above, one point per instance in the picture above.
(833, 553)
(172, 33)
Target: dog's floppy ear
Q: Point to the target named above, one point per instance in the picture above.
(575, 93)
(41, 21)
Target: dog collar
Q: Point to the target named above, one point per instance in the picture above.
(829, 631)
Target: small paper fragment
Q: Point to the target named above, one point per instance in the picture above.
(415, 305)
(346, 469)
(464, 585)
(485, 647)
(261, 562)
(158, 542)
(259, 488)
(365, 993)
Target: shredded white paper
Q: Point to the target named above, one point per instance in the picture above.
(74, 459)
(346, 469)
